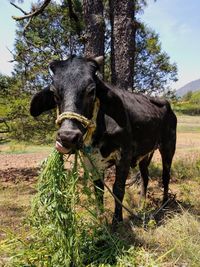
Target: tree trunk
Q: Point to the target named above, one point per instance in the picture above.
(95, 27)
(122, 42)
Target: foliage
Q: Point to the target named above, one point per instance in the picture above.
(153, 70)
(5, 83)
(187, 96)
(50, 36)
(190, 104)
(14, 108)
(195, 97)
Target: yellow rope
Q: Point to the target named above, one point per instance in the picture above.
(89, 124)
(72, 115)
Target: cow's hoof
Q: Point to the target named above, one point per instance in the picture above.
(115, 223)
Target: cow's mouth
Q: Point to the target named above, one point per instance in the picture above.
(60, 148)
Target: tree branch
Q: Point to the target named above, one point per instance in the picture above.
(25, 13)
(33, 14)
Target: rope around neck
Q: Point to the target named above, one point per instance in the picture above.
(89, 124)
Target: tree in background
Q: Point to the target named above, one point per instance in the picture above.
(133, 55)
(133, 51)
(122, 42)
(50, 36)
(153, 70)
(5, 83)
(94, 27)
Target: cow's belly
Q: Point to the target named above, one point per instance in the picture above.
(99, 162)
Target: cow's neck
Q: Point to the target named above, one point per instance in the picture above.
(111, 103)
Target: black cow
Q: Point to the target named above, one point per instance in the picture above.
(129, 126)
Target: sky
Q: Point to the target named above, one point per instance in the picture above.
(178, 24)
(176, 21)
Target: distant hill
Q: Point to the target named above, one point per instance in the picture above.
(191, 86)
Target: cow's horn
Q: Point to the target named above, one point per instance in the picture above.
(99, 60)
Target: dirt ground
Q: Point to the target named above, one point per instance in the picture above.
(20, 166)
(26, 165)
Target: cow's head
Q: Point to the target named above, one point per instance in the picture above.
(73, 90)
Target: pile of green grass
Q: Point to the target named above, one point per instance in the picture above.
(64, 229)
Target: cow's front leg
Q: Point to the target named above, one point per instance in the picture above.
(99, 192)
(122, 170)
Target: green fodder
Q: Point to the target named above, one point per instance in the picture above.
(54, 212)
(64, 229)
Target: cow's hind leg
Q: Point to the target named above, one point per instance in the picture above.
(166, 163)
(143, 166)
(167, 151)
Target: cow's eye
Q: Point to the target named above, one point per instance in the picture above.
(57, 98)
(56, 94)
(90, 90)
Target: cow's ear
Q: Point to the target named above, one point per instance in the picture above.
(96, 62)
(42, 101)
(53, 66)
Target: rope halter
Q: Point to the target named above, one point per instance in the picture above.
(90, 125)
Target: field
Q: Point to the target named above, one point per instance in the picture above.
(170, 238)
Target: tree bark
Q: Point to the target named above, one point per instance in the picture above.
(122, 42)
(95, 27)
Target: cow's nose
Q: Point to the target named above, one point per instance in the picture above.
(70, 139)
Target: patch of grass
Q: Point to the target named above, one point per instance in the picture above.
(190, 195)
(20, 147)
(14, 204)
(182, 168)
(137, 257)
(188, 124)
(183, 127)
(186, 168)
(155, 170)
(177, 242)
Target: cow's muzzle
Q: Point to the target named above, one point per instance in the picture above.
(68, 140)
(74, 139)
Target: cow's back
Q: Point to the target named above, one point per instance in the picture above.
(149, 118)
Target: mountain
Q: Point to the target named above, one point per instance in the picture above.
(191, 86)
